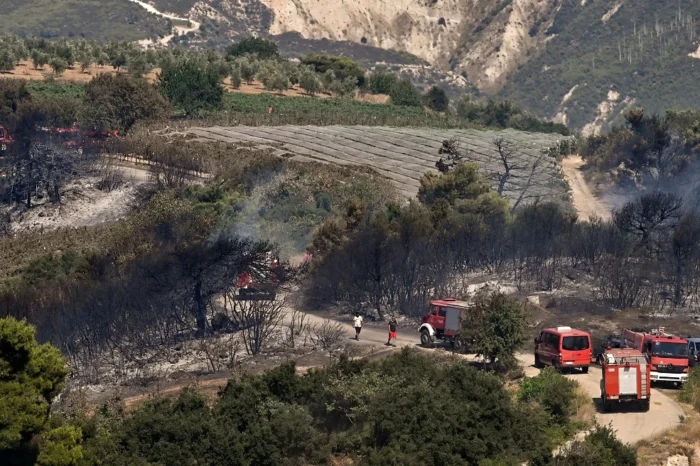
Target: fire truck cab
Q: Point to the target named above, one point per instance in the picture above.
(442, 323)
(667, 354)
(626, 378)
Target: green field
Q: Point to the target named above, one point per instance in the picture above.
(253, 110)
(56, 90)
(91, 19)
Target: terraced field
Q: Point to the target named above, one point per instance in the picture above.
(403, 155)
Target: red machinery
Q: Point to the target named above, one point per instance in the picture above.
(5, 139)
(626, 378)
(442, 322)
(259, 285)
(667, 354)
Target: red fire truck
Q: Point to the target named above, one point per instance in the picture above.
(442, 323)
(5, 140)
(626, 378)
(667, 354)
(256, 284)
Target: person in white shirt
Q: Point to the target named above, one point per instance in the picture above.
(358, 325)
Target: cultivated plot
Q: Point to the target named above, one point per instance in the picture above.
(403, 155)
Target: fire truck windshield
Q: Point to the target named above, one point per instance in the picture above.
(670, 350)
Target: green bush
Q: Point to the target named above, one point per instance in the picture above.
(690, 393)
(342, 67)
(554, 392)
(370, 412)
(495, 328)
(191, 86)
(262, 48)
(436, 99)
(599, 448)
(119, 102)
(31, 376)
(381, 82)
(404, 93)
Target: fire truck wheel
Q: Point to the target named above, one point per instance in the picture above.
(538, 363)
(645, 405)
(607, 406)
(458, 344)
(584, 370)
(425, 339)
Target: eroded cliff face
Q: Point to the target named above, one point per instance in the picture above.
(486, 39)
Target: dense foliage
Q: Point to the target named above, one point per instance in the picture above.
(261, 48)
(31, 375)
(641, 52)
(373, 412)
(191, 86)
(119, 102)
(646, 145)
(645, 256)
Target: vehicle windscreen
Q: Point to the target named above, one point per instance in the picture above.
(575, 343)
(669, 350)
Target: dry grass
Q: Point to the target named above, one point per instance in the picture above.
(683, 440)
(25, 70)
(585, 409)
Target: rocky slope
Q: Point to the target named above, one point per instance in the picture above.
(581, 62)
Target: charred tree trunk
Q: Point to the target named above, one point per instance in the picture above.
(200, 308)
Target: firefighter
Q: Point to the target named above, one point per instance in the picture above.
(392, 332)
(357, 322)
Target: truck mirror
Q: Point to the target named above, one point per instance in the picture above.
(537, 340)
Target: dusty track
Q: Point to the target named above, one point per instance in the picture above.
(631, 426)
(585, 202)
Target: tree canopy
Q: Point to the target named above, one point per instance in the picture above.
(118, 102)
(31, 375)
(190, 86)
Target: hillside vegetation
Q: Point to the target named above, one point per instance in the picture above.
(637, 48)
(92, 19)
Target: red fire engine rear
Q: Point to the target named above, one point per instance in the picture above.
(667, 354)
(626, 378)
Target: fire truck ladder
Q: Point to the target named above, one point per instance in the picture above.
(644, 381)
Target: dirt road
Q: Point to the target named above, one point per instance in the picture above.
(631, 427)
(177, 30)
(586, 204)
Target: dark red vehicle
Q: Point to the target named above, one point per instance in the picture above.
(5, 140)
(563, 348)
(260, 284)
(442, 323)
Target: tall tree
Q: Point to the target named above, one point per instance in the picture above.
(31, 375)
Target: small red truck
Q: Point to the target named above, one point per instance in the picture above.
(5, 140)
(442, 323)
(626, 378)
(666, 354)
(259, 285)
(562, 348)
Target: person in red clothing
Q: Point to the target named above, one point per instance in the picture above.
(392, 332)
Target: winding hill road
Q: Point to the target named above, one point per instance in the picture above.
(585, 202)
